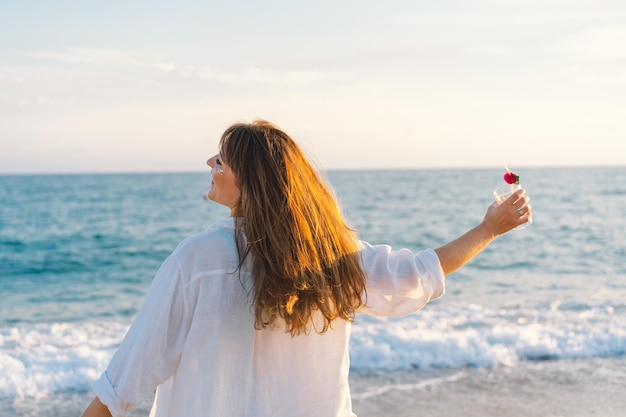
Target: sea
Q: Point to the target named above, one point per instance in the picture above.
(536, 320)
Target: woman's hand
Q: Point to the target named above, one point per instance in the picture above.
(512, 212)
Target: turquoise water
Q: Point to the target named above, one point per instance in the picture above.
(78, 252)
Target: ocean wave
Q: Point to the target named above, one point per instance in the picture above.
(480, 337)
(44, 358)
(40, 359)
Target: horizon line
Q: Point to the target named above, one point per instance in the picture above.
(380, 169)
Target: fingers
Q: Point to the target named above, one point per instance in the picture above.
(518, 199)
(522, 202)
(518, 205)
(523, 209)
(516, 196)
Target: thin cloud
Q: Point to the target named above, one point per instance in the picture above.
(604, 43)
(231, 76)
(491, 50)
(604, 79)
(161, 66)
(72, 55)
(507, 19)
(263, 75)
(45, 101)
(598, 78)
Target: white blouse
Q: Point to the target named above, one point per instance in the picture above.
(194, 340)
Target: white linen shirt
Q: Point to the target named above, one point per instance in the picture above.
(194, 340)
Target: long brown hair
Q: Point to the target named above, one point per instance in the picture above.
(304, 256)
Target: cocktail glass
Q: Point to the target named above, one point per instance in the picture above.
(503, 192)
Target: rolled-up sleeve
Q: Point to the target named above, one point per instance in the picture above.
(400, 282)
(150, 351)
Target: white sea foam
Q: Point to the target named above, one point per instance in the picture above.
(40, 359)
(475, 336)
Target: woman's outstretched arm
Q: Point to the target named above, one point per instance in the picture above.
(499, 219)
(97, 409)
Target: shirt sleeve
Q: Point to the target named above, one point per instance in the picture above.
(400, 282)
(150, 351)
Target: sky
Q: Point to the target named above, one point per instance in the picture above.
(149, 86)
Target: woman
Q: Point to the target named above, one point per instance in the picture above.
(252, 317)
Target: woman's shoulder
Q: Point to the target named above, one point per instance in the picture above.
(217, 240)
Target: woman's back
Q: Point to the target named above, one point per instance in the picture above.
(225, 366)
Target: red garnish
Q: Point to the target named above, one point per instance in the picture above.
(511, 178)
